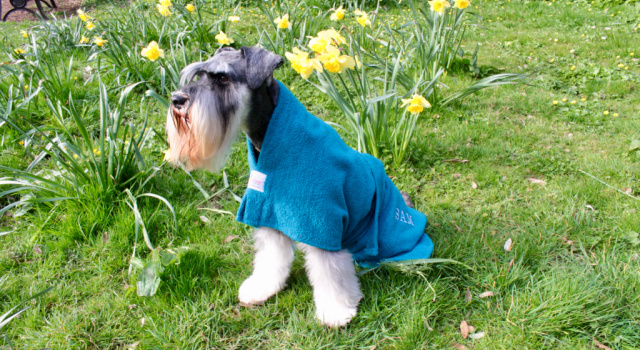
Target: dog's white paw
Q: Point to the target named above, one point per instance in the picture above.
(255, 290)
(335, 314)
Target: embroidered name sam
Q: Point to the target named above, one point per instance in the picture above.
(403, 216)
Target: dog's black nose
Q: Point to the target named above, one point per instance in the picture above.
(178, 99)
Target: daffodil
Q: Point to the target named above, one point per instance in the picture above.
(605, 112)
(283, 22)
(190, 7)
(234, 19)
(363, 18)
(19, 51)
(84, 40)
(333, 35)
(82, 15)
(334, 62)
(439, 5)
(26, 35)
(338, 14)
(223, 39)
(416, 103)
(152, 51)
(164, 10)
(99, 41)
(462, 4)
(318, 44)
(302, 64)
(555, 103)
(165, 3)
(326, 38)
(90, 25)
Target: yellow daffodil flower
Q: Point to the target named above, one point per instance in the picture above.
(82, 15)
(26, 35)
(416, 103)
(99, 41)
(363, 18)
(338, 14)
(334, 62)
(19, 51)
(223, 39)
(165, 3)
(90, 25)
(333, 36)
(605, 112)
(84, 40)
(462, 4)
(164, 10)
(302, 64)
(324, 39)
(283, 22)
(234, 19)
(152, 51)
(190, 7)
(318, 44)
(439, 5)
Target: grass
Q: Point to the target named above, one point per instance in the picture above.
(570, 277)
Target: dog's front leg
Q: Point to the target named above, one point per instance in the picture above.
(336, 290)
(271, 266)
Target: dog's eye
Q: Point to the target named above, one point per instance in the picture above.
(223, 78)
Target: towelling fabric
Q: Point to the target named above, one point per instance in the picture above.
(314, 188)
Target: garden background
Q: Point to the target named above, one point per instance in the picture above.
(530, 188)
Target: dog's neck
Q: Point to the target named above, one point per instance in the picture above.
(263, 103)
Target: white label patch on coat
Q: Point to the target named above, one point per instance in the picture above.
(256, 181)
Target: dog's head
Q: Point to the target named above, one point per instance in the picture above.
(216, 99)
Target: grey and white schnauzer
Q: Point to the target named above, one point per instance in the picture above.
(306, 185)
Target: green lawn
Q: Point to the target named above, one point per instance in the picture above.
(504, 164)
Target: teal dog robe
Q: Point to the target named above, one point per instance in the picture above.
(308, 184)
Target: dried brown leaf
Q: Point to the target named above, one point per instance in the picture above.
(459, 346)
(474, 185)
(37, 249)
(510, 265)
(508, 245)
(467, 296)
(599, 345)
(105, 237)
(230, 238)
(476, 336)
(537, 181)
(486, 294)
(464, 329)
(455, 176)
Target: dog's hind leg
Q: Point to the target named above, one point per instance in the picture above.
(271, 266)
(336, 290)
(407, 199)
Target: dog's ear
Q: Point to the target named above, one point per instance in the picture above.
(260, 65)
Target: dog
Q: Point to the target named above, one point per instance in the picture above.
(306, 185)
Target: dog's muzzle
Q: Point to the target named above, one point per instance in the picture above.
(179, 107)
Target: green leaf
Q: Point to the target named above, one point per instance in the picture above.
(149, 279)
(633, 238)
(168, 258)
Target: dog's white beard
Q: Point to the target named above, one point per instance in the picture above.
(204, 144)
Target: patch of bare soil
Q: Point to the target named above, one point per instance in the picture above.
(67, 7)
